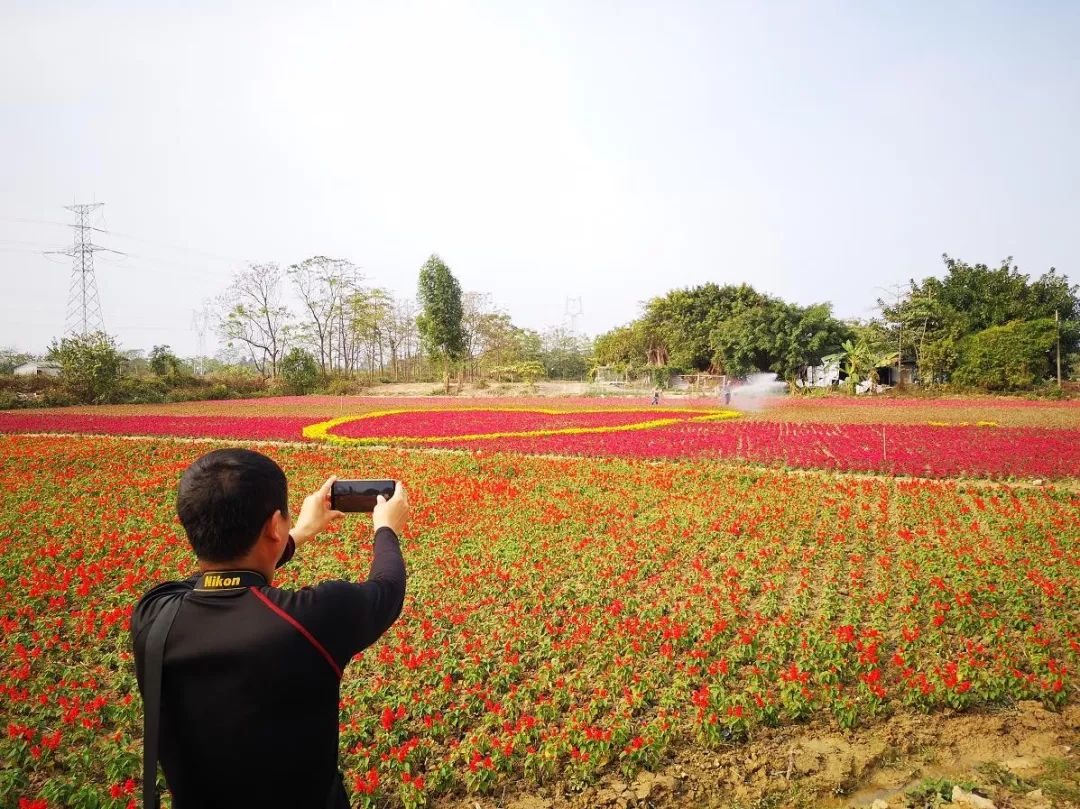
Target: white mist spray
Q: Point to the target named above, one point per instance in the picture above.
(757, 392)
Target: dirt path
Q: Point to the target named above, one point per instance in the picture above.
(1024, 757)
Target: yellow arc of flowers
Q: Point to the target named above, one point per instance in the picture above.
(321, 431)
(962, 424)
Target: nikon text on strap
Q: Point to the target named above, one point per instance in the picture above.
(224, 581)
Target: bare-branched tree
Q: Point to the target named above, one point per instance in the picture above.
(251, 313)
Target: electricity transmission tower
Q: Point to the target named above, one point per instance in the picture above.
(84, 305)
(574, 310)
(200, 321)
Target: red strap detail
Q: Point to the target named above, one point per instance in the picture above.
(301, 628)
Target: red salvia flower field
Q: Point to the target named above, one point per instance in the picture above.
(645, 592)
(938, 444)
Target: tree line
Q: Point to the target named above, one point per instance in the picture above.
(345, 329)
(339, 336)
(977, 327)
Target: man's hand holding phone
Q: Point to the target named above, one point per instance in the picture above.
(315, 514)
(391, 513)
(387, 501)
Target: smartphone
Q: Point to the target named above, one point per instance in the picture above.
(359, 495)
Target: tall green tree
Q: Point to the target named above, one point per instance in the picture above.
(777, 336)
(623, 346)
(440, 318)
(677, 327)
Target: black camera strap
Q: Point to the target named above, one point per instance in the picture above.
(155, 655)
(228, 581)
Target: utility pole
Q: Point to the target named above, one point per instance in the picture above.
(895, 289)
(84, 305)
(899, 344)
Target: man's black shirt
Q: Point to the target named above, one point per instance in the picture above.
(250, 683)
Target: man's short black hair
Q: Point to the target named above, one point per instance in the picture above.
(224, 499)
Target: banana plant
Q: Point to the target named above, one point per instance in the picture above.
(859, 362)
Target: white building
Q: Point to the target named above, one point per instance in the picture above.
(826, 375)
(37, 369)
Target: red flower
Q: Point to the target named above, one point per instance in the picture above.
(845, 633)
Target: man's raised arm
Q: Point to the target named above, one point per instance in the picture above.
(387, 575)
(350, 616)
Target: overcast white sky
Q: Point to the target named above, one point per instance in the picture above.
(610, 151)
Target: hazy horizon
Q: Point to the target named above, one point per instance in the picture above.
(609, 152)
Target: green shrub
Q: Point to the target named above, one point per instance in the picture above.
(28, 384)
(1002, 358)
(91, 366)
(278, 387)
(238, 381)
(299, 372)
(138, 390)
(56, 397)
(340, 384)
(189, 394)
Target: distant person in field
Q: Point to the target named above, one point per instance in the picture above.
(250, 677)
(725, 391)
(656, 395)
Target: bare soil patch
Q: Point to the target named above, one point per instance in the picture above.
(1024, 757)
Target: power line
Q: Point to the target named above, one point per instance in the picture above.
(121, 327)
(140, 262)
(23, 242)
(23, 220)
(151, 242)
(163, 245)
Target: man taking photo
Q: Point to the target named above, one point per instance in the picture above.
(249, 682)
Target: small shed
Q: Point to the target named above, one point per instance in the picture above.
(826, 375)
(908, 375)
(37, 369)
